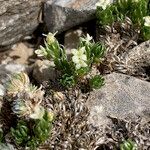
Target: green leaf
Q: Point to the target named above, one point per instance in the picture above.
(145, 33)
(128, 145)
(20, 133)
(82, 71)
(97, 52)
(96, 82)
(67, 80)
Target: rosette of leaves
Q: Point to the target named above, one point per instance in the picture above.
(128, 145)
(21, 133)
(30, 134)
(96, 82)
(119, 10)
(75, 69)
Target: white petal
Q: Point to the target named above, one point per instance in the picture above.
(74, 51)
(83, 57)
(78, 66)
(82, 50)
(83, 64)
(75, 59)
(89, 38)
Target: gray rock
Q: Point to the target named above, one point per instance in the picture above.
(61, 15)
(43, 70)
(122, 97)
(7, 69)
(138, 57)
(18, 18)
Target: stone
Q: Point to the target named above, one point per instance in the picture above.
(71, 40)
(43, 70)
(21, 53)
(61, 15)
(7, 69)
(138, 57)
(18, 18)
(122, 97)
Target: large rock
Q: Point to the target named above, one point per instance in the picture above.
(7, 69)
(18, 18)
(138, 57)
(122, 97)
(61, 15)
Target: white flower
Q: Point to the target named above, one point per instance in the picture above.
(147, 21)
(87, 39)
(79, 57)
(50, 38)
(41, 52)
(103, 3)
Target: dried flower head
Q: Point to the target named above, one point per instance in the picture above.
(58, 96)
(20, 107)
(79, 57)
(18, 83)
(25, 108)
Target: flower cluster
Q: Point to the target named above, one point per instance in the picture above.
(83, 58)
(79, 57)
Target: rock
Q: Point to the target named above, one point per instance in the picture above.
(7, 69)
(61, 15)
(21, 53)
(122, 97)
(43, 70)
(18, 18)
(72, 40)
(138, 57)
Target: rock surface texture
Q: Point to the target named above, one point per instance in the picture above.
(61, 15)
(18, 18)
(139, 57)
(122, 97)
(43, 71)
